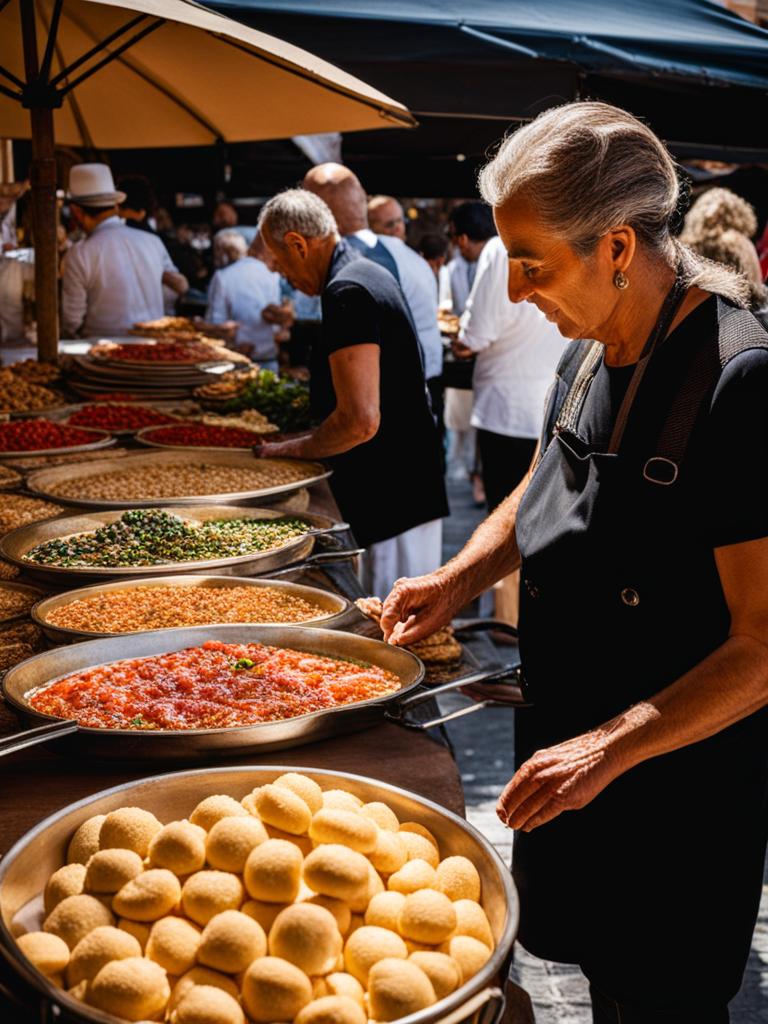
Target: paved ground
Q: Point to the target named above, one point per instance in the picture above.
(483, 744)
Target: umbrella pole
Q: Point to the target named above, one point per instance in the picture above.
(43, 198)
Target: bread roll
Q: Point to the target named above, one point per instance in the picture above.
(213, 809)
(231, 941)
(204, 1004)
(128, 828)
(85, 841)
(339, 909)
(332, 1010)
(340, 799)
(207, 893)
(389, 854)
(303, 786)
(149, 896)
(173, 943)
(413, 875)
(109, 870)
(230, 841)
(283, 808)
(426, 916)
(397, 988)
(469, 953)
(458, 878)
(384, 908)
(67, 881)
(98, 948)
(275, 990)
(335, 870)
(47, 952)
(471, 920)
(201, 976)
(75, 917)
(367, 946)
(179, 846)
(418, 846)
(381, 814)
(339, 983)
(306, 935)
(272, 871)
(441, 970)
(138, 929)
(134, 988)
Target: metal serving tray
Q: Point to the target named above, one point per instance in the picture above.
(102, 439)
(44, 481)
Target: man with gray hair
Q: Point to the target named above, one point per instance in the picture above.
(368, 394)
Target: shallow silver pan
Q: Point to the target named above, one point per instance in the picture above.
(16, 544)
(44, 481)
(29, 863)
(331, 608)
(146, 744)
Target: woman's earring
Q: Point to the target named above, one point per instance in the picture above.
(620, 280)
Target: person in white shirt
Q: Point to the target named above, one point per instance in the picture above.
(386, 217)
(342, 191)
(517, 353)
(114, 277)
(241, 291)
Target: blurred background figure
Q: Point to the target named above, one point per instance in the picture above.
(229, 246)
(386, 217)
(433, 247)
(240, 291)
(140, 204)
(224, 216)
(721, 225)
(470, 227)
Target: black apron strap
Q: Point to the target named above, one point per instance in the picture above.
(738, 331)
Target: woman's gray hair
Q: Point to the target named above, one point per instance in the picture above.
(588, 167)
(298, 210)
(228, 247)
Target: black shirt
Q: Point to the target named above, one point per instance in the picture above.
(394, 481)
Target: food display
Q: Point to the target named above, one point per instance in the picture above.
(200, 435)
(41, 435)
(167, 607)
(214, 686)
(114, 416)
(139, 483)
(165, 325)
(9, 477)
(248, 419)
(186, 352)
(154, 537)
(439, 648)
(35, 372)
(284, 402)
(16, 601)
(289, 904)
(18, 510)
(21, 395)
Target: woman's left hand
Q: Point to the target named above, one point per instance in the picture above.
(565, 777)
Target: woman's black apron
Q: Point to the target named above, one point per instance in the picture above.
(653, 887)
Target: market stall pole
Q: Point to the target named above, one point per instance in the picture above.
(170, 41)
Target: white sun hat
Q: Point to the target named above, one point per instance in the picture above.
(93, 185)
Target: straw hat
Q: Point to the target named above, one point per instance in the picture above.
(93, 185)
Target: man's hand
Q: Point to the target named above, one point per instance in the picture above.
(418, 607)
(565, 777)
(283, 316)
(460, 350)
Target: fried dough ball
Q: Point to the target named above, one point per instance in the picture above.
(98, 948)
(389, 854)
(201, 976)
(413, 875)
(341, 800)
(263, 913)
(47, 952)
(471, 920)
(231, 941)
(469, 953)
(339, 909)
(129, 828)
(348, 828)
(178, 846)
(281, 807)
(207, 893)
(109, 870)
(442, 971)
(336, 870)
(332, 1010)
(67, 881)
(426, 916)
(397, 988)
(149, 896)
(340, 984)
(419, 847)
(272, 871)
(275, 990)
(384, 908)
(303, 843)
(75, 916)
(306, 935)
(85, 842)
(133, 988)
(420, 830)
(458, 878)
(367, 946)
(173, 943)
(381, 814)
(303, 786)
(358, 904)
(249, 803)
(213, 809)
(204, 1004)
(231, 840)
(138, 929)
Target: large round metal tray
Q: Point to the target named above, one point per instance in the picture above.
(43, 481)
(144, 436)
(33, 592)
(102, 439)
(64, 414)
(332, 608)
(17, 543)
(30, 862)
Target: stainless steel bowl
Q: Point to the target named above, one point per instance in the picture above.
(27, 866)
(332, 608)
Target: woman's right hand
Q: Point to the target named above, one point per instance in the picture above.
(419, 606)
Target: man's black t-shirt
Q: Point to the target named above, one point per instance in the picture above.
(394, 481)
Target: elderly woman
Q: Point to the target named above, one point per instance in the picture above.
(641, 793)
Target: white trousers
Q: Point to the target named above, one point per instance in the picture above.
(413, 553)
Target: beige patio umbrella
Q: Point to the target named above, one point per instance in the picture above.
(130, 73)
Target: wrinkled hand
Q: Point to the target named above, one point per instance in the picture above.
(275, 450)
(460, 350)
(565, 777)
(417, 607)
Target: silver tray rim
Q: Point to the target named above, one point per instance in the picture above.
(105, 440)
(49, 602)
(127, 572)
(36, 480)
